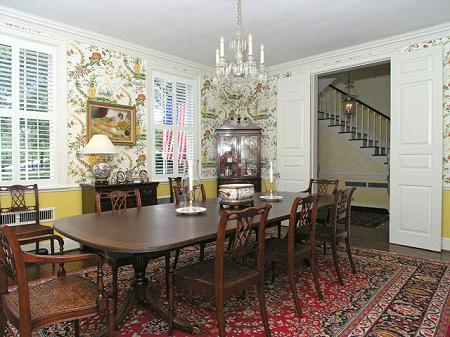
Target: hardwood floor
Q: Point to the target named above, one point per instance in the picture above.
(360, 237)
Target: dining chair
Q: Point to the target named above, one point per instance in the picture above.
(181, 196)
(66, 297)
(338, 228)
(173, 181)
(19, 203)
(230, 273)
(290, 252)
(118, 202)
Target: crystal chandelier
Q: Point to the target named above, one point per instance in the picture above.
(242, 71)
(349, 100)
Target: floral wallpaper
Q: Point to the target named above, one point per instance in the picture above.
(107, 75)
(217, 105)
(446, 100)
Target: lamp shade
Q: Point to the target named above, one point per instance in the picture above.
(100, 144)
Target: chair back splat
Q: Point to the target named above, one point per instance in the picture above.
(118, 199)
(322, 187)
(181, 193)
(244, 244)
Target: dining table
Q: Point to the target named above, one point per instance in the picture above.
(156, 229)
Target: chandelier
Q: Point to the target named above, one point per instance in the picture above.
(242, 70)
(349, 100)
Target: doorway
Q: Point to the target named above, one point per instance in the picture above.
(353, 144)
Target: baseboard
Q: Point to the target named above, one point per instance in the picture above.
(446, 244)
(68, 245)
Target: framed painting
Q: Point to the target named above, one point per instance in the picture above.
(116, 121)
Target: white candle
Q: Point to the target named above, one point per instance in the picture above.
(262, 54)
(271, 173)
(190, 174)
(250, 45)
(222, 49)
(217, 57)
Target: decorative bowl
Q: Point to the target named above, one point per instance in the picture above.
(236, 191)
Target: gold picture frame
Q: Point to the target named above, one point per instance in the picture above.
(116, 121)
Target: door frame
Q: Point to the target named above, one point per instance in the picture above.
(318, 70)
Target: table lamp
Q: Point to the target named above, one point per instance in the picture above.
(101, 146)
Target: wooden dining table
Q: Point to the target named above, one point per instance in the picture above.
(156, 229)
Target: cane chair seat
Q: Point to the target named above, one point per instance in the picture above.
(56, 297)
(277, 250)
(203, 273)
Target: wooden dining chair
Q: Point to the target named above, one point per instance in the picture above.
(118, 202)
(230, 273)
(322, 187)
(20, 204)
(338, 228)
(289, 252)
(173, 181)
(66, 297)
(181, 196)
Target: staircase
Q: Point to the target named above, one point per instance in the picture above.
(366, 128)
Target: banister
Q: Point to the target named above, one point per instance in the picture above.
(360, 102)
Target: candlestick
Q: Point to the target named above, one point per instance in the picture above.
(190, 174)
(262, 54)
(271, 173)
(250, 45)
(222, 52)
(217, 57)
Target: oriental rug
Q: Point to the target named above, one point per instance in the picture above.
(390, 296)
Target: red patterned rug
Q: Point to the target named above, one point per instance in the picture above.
(390, 296)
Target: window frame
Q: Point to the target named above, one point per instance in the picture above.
(16, 114)
(173, 77)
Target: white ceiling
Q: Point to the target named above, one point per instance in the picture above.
(290, 29)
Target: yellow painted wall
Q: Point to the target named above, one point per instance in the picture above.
(446, 214)
(339, 160)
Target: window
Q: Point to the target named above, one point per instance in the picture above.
(173, 125)
(27, 112)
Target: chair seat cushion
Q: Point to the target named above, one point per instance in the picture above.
(61, 295)
(204, 272)
(277, 250)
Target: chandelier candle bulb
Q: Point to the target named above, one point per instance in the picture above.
(222, 49)
(262, 54)
(250, 45)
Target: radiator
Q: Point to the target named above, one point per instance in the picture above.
(28, 217)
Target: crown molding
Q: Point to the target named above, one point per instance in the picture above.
(13, 20)
(369, 50)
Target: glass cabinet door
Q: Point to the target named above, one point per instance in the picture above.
(249, 155)
(228, 156)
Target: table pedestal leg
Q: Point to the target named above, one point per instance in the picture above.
(146, 295)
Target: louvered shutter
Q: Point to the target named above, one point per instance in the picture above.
(27, 96)
(173, 124)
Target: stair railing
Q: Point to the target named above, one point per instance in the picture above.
(364, 122)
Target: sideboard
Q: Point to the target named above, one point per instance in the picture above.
(148, 192)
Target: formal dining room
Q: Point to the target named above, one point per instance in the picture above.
(225, 168)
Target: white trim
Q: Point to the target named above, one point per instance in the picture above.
(362, 53)
(22, 22)
(446, 244)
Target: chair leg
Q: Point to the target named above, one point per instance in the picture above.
(171, 305)
(279, 230)
(291, 277)
(273, 272)
(76, 328)
(111, 312)
(202, 251)
(349, 253)
(115, 290)
(336, 262)
(262, 306)
(316, 276)
(220, 315)
(175, 260)
(324, 247)
(3, 322)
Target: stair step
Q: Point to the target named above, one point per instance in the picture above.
(379, 155)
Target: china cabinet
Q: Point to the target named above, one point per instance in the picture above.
(239, 153)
